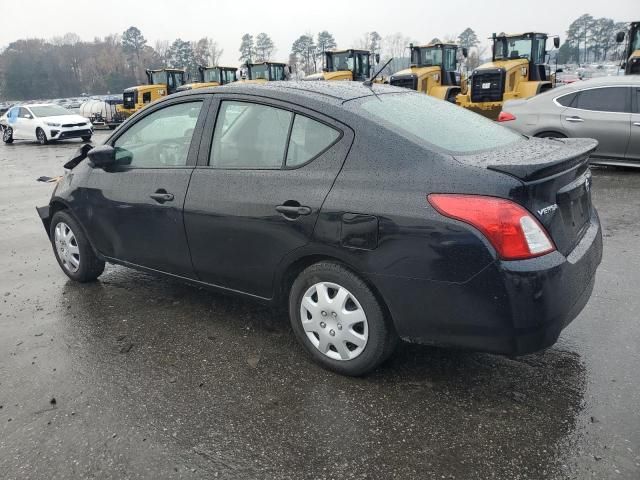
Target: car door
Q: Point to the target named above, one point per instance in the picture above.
(22, 128)
(633, 150)
(602, 113)
(255, 196)
(134, 209)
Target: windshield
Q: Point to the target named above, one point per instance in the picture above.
(277, 72)
(212, 75)
(342, 61)
(158, 78)
(512, 48)
(50, 111)
(635, 41)
(257, 72)
(424, 119)
(430, 57)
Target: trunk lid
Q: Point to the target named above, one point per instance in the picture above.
(556, 183)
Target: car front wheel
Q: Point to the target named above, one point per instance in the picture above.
(72, 249)
(339, 320)
(41, 136)
(7, 135)
(86, 139)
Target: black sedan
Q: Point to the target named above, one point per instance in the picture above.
(375, 213)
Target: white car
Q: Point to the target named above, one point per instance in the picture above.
(43, 122)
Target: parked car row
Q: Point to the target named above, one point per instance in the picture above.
(372, 212)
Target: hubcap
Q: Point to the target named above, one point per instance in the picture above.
(41, 136)
(67, 247)
(7, 134)
(334, 321)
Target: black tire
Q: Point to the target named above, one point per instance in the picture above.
(112, 127)
(90, 266)
(550, 135)
(86, 139)
(41, 136)
(382, 337)
(7, 135)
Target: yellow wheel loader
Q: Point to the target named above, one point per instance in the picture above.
(519, 70)
(433, 70)
(266, 72)
(631, 63)
(211, 77)
(351, 64)
(160, 83)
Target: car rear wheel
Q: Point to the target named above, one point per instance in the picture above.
(339, 320)
(72, 249)
(7, 135)
(41, 136)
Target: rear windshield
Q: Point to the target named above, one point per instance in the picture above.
(442, 124)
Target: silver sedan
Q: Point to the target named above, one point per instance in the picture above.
(605, 108)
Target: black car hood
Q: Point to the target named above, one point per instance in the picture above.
(533, 158)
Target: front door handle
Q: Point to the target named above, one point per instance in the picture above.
(293, 211)
(574, 119)
(637, 124)
(162, 196)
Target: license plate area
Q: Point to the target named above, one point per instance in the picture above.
(574, 202)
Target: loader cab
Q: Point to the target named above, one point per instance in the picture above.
(631, 63)
(529, 46)
(442, 55)
(173, 78)
(357, 62)
(267, 71)
(219, 75)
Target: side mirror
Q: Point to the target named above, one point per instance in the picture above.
(80, 155)
(102, 156)
(465, 52)
(28, 116)
(556, 42)
(620, 37)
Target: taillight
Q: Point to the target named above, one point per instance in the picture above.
(506, 117)
(511, 229)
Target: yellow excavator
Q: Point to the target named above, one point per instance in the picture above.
(266, 72)
(211, 77)
(518, 70)
(433, 70)
(631, 63)
(160, 83)
(348, 64)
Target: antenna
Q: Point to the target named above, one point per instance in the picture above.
(368, 83)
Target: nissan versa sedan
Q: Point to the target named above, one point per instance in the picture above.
(373, 212)
(43, 123)
(604, 108)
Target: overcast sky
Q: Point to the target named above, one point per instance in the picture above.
(226, 21)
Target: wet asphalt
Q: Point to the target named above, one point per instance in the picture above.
(140, 377)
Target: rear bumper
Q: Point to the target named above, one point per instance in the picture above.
(512, 308)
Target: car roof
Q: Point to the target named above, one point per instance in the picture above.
(322, 91)
(604, 81)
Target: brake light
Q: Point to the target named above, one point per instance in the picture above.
(511, 229)
(506, 117)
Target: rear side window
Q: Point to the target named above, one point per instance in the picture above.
(567, 100)
(441, 124)
(308, 139)
(611, 99)
(248, 135)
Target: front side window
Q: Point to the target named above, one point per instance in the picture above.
(612, 99)
(160, 139)
(308, 139)
(424, 119)
(450, 61)
(249, 135)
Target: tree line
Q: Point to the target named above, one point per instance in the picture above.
(67, 66)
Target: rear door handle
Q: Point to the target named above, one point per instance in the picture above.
(162, 196)
(574, 119)
(293, 211)
(637, 124)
